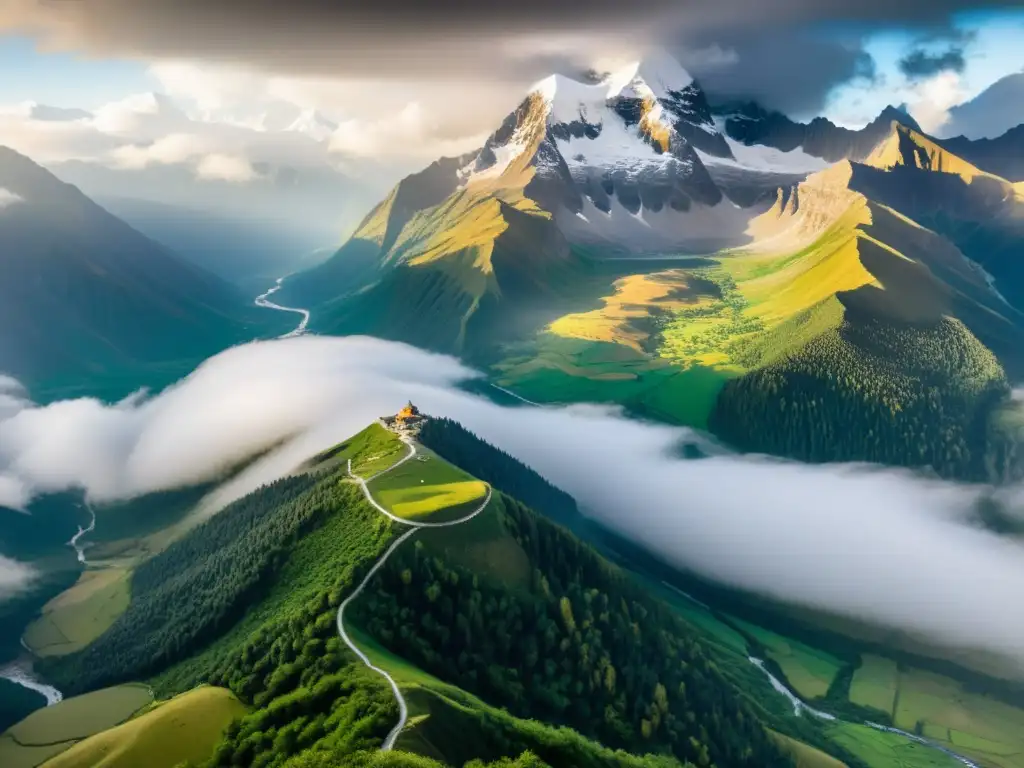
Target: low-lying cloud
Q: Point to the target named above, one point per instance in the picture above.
(14, 577)
(8, 198)
(880, 545)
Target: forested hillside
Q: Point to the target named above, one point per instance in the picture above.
(197, 588)
(577, 643)
(869, 391)
(513, 641)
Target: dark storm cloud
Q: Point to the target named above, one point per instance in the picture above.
(790, 70)
(408, 38)
(920, 63)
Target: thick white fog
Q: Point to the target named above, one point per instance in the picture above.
(882, 545)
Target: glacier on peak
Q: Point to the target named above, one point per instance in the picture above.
(657, 76)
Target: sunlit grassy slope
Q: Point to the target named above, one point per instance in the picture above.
(424, 488)
(372, 450)
(171, 733)
(52, 730)
(428, 488)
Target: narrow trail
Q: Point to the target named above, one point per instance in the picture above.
(263, 300)
(403, 708)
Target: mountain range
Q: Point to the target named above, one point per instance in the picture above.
(619, 241)
(414, 597)
(83, 296)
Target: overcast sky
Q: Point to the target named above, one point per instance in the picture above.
(404, 82)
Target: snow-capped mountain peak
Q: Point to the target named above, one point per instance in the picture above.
(658, 75)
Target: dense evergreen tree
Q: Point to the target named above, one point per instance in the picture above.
(199, 586)
(582, 646)
(872, 391)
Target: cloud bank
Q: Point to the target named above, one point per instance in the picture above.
(395, 39)
(878, 545)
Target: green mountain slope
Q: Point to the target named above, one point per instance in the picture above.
(83, 295)
(511, 641)
(842, 311)
(264, 579)
(446, 265)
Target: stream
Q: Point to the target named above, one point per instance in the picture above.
(800, 707)
(20, 672)
(263, 300)
(80, 548)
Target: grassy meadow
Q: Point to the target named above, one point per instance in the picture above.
(887, 750)
(372, 450)
(50, 731)
(75, 618)
(181, 730)
(875, 683)
(428, 489)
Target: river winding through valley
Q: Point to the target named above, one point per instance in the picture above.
(263, 300)
(20, 671)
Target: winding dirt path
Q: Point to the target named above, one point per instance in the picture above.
(403, 709)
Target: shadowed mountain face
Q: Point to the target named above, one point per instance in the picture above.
(751, 124)
(84, 294)
(1003, 156)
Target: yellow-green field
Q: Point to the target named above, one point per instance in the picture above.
(15, 755)
(51, 730)
(805, 755)
(875, 683)
(428, 488)
(810, 671)
(76, 617)
(183, 729)
(972, 723)
(552, 369)
(888, 750)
